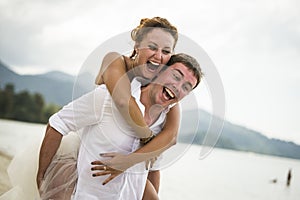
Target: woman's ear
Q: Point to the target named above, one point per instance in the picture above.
(136, 48)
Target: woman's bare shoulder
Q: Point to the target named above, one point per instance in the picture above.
(113, 56)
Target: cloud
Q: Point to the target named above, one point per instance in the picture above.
(50, 35)
(254, 45)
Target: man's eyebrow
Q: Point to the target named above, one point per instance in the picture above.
(190, 85)
(180, 72)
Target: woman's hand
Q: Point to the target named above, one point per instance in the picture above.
(118, 163)
(149, 163)
(114, 166)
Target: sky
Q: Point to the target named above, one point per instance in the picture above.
(254, 45)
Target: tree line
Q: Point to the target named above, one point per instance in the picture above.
(24, 106)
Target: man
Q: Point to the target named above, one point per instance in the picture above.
(104, 130)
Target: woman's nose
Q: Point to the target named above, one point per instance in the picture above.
(158, 55)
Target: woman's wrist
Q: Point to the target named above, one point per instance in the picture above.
(146, 140)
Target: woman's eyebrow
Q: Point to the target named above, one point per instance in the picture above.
(166, 47)
(153, 43)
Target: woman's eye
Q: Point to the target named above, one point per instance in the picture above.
(166, 52)
(151, 47)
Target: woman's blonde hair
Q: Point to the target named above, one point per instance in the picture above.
(146, 25)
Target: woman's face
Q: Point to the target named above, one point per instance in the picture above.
(155, 49)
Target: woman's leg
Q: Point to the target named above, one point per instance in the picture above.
(154, 178)
(60, 181)
(150, 192)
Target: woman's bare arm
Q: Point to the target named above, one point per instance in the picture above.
(113, 75)
(164, 140)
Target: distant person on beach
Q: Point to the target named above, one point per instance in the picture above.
(289, 177)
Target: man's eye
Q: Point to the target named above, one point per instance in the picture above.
(186, 88)
(176, 76)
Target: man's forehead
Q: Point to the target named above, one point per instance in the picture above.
(178, 66)
(185, 71)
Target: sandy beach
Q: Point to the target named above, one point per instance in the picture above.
(4, 181)
(14, 137)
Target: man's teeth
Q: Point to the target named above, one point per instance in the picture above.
(170, 93)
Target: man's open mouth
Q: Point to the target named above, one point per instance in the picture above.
(168, 94)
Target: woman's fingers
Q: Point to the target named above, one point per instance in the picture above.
(99, 167)
(111, 154)
(97, 162)
(104, 170)
(111, 177)
(102, 173)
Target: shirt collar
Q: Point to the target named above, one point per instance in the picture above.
(136, 93)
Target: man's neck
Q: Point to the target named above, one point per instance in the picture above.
(152, 111)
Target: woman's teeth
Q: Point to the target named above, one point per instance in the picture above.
(154, 63)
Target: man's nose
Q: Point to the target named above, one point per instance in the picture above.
(176, 89)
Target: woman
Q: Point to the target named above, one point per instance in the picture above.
(150, 52)
(155, 40)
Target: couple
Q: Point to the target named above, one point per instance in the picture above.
(118, 117)
(105, 130)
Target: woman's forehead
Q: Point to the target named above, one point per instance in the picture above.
(159, 36)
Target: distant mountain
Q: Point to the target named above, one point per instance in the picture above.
(235, 137)
(58, 76)
(61, 88)
(56, 87)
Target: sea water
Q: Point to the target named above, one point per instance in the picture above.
(233, 175)
(220, 175)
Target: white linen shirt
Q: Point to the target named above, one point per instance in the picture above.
(104, 130)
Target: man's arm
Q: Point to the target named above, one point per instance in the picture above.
(48, 149)
(84, 111)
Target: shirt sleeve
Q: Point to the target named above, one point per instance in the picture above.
(84, 111)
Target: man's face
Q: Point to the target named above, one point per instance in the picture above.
(172, 85)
